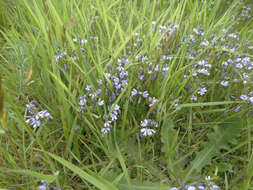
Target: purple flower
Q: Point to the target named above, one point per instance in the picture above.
(203, 71)
(202, 91)
(123, 74)
(204, 43)
(134, 92)
(32, 121)
(43, 114)
(163, 74)
(88, 88)
(98, 91)
(82, 101)
(195, 31)
(124, 82)
(116, 108)
(157, 68)
(107, 124)
(108, 75)
(191, 188)
(145, 94)
(144, 123)
(239, 66)
(141, 75)
(224, 83)
(194, 98)
(152, 101)
(244, 97)
(237, 109)
(147, 132)
(105, 131)
(200, 187)
(100, 102)
(116, 80)
(31, 107)
(100, 81)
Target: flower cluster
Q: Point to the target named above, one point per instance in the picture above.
(113, 116)
(36, 116)
(147, 125)
(247, 98)
(230, 70)
(91, 99)
(208, 185)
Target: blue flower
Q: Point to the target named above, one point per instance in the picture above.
(202, 91)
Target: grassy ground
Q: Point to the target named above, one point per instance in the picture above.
(120, 94)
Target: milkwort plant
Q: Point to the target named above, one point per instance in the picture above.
(35, 117)
(138, 91)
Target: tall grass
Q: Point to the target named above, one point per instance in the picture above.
(54, 52)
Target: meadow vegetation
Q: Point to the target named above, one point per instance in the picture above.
(126, 94)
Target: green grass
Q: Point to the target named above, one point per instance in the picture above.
(194, 139)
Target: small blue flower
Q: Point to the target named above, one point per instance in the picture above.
(134, 92)
(100, 102)
(244, 97)
(202, 91)
(238, 108)
(194, 98)
(224, 83)
(147, 132)
(203, 71)
(105, 131)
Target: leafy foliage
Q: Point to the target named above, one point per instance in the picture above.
(223, 134)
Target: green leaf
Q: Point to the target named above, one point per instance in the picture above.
(46, 177)
(207, 104)
(168, 135)
(91, 177)
(224, 133)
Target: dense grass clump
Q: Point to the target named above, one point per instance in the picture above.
(126, 94)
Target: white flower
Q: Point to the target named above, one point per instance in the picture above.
(191, 188)
(84, 41)
(147, 132)
(88, 88)
(224, 83)
(74, 40)
(107, 124)
(202, 91)
(244, 97)
(204, 43)
(194, 98)
(144, 123)
(203, 71)
(105, 131)
(100, 102)
(152, 101)
(116, 108)
(113, 117)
